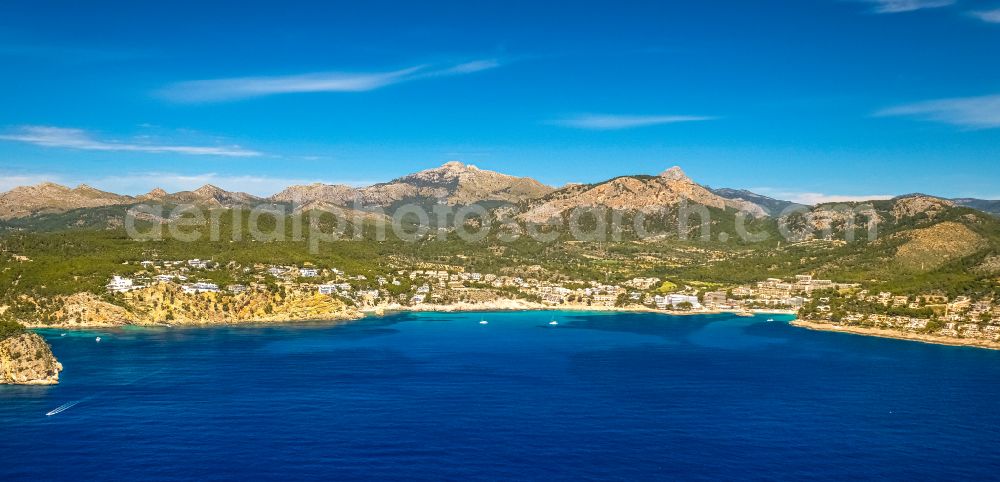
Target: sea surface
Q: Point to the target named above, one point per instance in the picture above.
(627, 396)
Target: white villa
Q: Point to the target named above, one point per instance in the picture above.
(120, 284)
(200, 287)
(672, 300)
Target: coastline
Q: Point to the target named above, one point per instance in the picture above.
(521, 305)
(897, 335)
(382, 310)
(346, 316)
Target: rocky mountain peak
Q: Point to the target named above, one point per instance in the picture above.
(911, 205)
(49, 186)
(675, 174)
(636, 193)
(52, 197)
(209, 191)
(156, 193)
(457, 166)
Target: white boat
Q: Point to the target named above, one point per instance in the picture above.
(98, 339)
(483, 322)
(553, 322)
(770, 319)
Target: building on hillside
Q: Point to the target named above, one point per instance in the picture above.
(119, 284)
(604, 299)
(673, 300)
(197, 263)
(200, 287)
(676, 299)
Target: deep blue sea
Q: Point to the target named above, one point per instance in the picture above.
(440, 396)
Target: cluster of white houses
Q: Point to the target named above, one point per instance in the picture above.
(427, 285)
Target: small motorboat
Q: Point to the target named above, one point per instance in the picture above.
(553, 322)
(770, 319)
(98, 339)
(483, 322)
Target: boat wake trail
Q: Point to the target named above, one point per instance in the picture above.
(66, 406)
(62, 408)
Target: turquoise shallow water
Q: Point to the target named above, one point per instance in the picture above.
(431, 396)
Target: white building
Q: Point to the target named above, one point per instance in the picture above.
(119, 284)
(673, 300)
(308, 272)
(197, 263)
(200, 287)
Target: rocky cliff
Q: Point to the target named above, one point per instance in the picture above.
(167, 304)
(26, 359)
(646, 194)
(453, 183)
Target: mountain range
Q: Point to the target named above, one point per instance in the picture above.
(453, 183)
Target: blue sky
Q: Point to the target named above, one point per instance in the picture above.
(802, 99)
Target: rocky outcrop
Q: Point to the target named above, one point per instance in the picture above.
(453, 183)
(53, 198)
(646, 194)
(207, 195)
(26, 359)
(334, 194)
(460, 184)
(910, 206)
(167, 304)
(86, 309)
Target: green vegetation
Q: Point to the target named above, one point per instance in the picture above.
(10, 328)
(46, 256)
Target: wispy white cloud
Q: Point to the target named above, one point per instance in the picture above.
(615, 121)
(813, 198)
(80, 139)
(988, 16)
(972, 112)
(216, 90)
(900, 6)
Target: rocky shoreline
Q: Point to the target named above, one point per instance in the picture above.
(27, 359)
(522, 305)
(84, 322)
(898, 335)
(344, 316)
